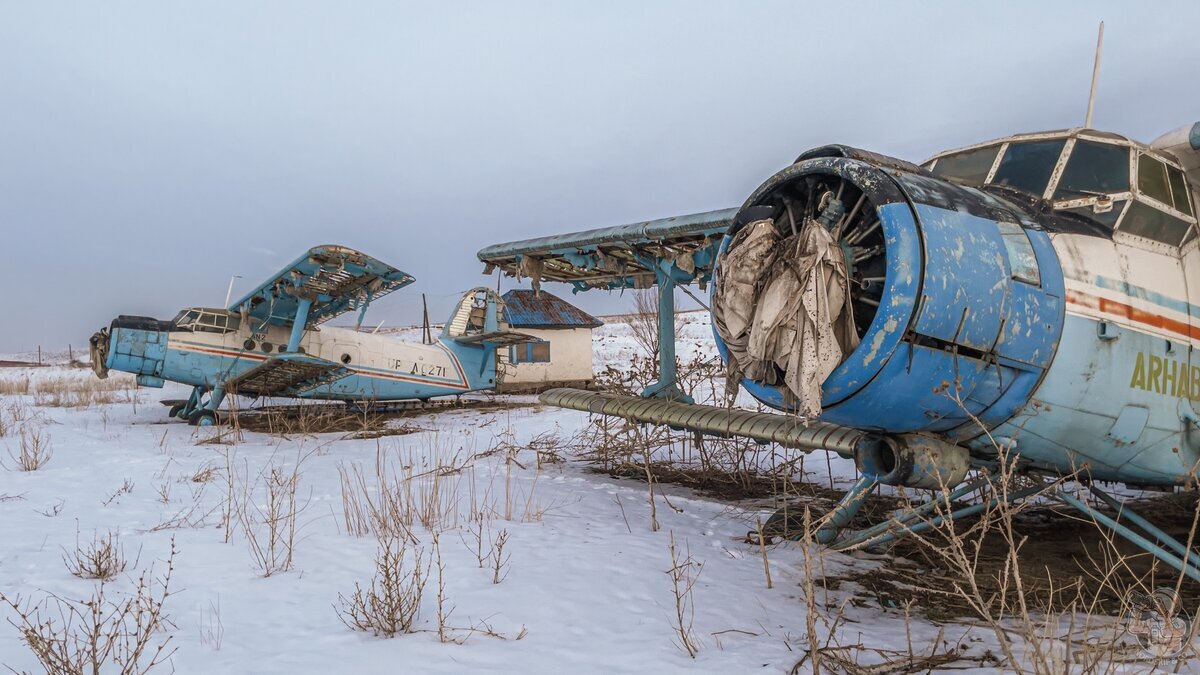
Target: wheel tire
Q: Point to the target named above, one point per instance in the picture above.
(175, 410)
(203, 418)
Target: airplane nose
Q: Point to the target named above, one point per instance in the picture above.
(869, 292)
(134, 344)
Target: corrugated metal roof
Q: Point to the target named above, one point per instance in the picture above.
(525, 309)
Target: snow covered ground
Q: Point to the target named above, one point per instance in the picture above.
(585, 587)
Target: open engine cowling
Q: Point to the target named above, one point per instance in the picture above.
(952, 299)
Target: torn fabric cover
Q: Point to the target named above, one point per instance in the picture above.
(782, 305)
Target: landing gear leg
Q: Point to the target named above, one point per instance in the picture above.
(206, 415)
(184, 411)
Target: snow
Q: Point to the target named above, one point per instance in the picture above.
(586, 590)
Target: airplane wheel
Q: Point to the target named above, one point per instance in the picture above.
(203, 418)
(176, 410)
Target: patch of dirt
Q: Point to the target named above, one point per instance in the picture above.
(1060, 552)
(335, 418)
(1061, 557)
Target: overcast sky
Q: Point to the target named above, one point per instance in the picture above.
(149, 151)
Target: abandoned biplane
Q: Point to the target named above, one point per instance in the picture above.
(1037, 295)
(271, 343)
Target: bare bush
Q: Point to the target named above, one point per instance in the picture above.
(684, 573)
(35, 451)
(643, 321)
(391, 605)
(499, 558)
(101, 558)
(270, 527)
(99, 634)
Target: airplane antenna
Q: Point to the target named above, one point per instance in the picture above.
(1095, 75)
(426, 335)
(229, 291)
(378, 327)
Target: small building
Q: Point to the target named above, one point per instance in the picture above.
(562, 356)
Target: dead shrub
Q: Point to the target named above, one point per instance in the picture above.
(270, 527)
(101, 558)
(391, 605)
(35, 451)
(99, 634)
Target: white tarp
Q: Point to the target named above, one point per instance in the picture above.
(782, 307)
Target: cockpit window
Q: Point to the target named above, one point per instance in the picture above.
(1179, 190)
(1146, 221)
(1152, 179)
(208, 320)
(967, 168)
(1094, 168)
(1028, 166)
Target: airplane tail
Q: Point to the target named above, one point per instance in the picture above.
(476, 332)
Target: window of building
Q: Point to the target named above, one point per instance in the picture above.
(967, 168)
(530, 352)
(1027, 166)
(1094, 168)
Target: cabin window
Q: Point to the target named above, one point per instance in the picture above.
(530, 352)
(967, 168)
(1094, 168)
(1020, 253)
(1028, 166)
(1146, 221)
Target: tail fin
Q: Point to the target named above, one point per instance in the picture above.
(476, 330)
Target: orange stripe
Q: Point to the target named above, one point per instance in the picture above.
(1115, 308)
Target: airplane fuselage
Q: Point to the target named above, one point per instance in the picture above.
(380, 368)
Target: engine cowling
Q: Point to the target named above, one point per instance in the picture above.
(954, 296)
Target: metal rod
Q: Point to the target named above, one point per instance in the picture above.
(1134, 517)
(700, 302)
(846, 509)
(1087, 122)
(1145, 544)
(863, 234)
(912, 514)
(904, 529)
(853, 212)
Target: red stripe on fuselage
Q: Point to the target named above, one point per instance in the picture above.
(1126, 311)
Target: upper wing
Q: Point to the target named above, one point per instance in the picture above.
(616, 257)
(337, 280)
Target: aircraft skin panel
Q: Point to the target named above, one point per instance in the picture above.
(1125, 348)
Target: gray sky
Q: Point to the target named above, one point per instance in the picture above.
(150, 150)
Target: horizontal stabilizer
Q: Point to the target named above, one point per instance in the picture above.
(786, 430)
(286, 375)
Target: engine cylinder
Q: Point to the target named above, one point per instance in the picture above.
(913, 461)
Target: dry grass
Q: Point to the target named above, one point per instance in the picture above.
(99, 634)
(83, 391)
(684, 573)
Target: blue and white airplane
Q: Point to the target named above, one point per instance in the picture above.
(1035, 296)
(271, 342)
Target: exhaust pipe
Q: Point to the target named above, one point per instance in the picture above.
(913, 461)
